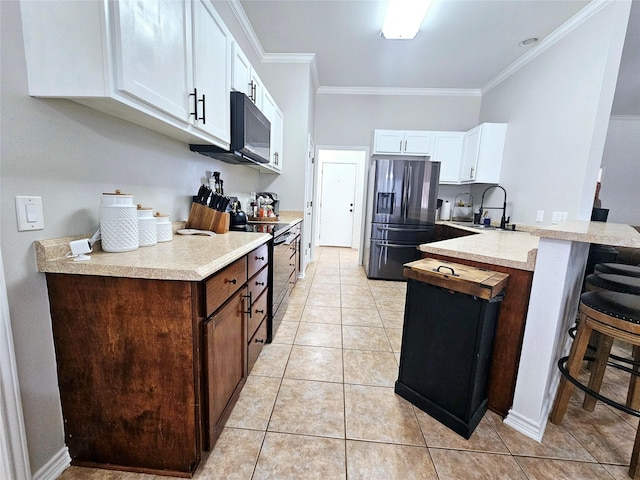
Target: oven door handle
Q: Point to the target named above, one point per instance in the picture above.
(280, 242)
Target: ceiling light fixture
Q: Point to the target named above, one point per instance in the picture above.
(528, 42)
(404, 18)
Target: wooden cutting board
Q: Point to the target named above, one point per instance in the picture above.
(481, 283)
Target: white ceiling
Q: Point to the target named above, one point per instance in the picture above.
(463, 44)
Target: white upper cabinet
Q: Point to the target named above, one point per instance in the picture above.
(211, 56)
(447, 150)
(482, 153)
(134, 60)
(241, 71)
(151, 53)
(274, 115)
(244, 78)
(403, 142)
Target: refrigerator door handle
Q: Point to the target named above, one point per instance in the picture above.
(409, 183)
(404, 193)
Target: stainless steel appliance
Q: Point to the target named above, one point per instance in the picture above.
(403, 194)
(250, 135)
(280, 266)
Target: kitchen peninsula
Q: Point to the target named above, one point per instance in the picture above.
(154, 345)
(511, 252)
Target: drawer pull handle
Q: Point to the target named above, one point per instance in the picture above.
(259, 340)
(260, 311)
(260, 284)
(248, 312)
(233, 280)
(259, 258)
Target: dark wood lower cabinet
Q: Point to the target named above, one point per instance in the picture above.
(226, 367)
(128, 365)
(509, 332)
(149, 370)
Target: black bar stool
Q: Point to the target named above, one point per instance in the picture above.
(612, 315)
(617, 269)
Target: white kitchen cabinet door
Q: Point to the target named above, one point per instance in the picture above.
(211, 72)
(447, 150)
(470, 148)
(482, 153)
(152, 52)
(491, 151)
(403, 142)
(418, 143)
(240, 71)
(274, 115)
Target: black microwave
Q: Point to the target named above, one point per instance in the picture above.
(250, 135)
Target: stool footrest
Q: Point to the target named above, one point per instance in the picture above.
(565, 372)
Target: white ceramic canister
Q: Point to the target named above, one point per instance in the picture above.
(147, 230)
(118, 222)
(163, 227)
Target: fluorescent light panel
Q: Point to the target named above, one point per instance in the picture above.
(404, 18)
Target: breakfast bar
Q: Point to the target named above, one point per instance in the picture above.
(562, 255)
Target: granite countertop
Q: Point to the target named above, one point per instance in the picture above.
(614, 234)
(186, 257)
(496, 247)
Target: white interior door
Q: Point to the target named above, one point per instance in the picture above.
(337, 201)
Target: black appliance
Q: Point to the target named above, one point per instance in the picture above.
(403, 195)
(280, 267)
(250, 135)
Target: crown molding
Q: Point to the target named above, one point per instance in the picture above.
(439, 92)
(554, 37)
(246, 26)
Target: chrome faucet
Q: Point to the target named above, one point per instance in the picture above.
(504, 220)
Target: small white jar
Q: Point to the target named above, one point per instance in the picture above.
(118, 223)
(164, 230)
(147, 228)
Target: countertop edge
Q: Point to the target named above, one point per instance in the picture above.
(491, 260)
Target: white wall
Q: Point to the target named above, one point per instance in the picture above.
(349, 120)
(289, 85)
(70, 154)
(621, 176)
(557, 108)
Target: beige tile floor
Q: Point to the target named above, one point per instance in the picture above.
(319, 404)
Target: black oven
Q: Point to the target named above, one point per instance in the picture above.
(279, 266)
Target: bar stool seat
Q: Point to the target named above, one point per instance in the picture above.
(618, 269)
(612, 315)
(613, 283)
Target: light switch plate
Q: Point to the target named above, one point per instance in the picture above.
(29, 213)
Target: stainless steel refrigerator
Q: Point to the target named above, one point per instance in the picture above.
(403, 192)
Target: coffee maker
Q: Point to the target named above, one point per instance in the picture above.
(275, 202)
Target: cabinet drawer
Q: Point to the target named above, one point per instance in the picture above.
(258, 283)
(224, 283)
(255, 345)
(258, 259)
(258, 312)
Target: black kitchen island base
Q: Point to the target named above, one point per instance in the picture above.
(463, 427)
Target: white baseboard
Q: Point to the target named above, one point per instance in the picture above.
(526, 426)
(54, 467)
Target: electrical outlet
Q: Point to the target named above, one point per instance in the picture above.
(559, 217)
(540, 216)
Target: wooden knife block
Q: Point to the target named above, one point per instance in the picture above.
(202, 217)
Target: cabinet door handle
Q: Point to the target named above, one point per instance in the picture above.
(261, 340)
(471, 174)
(405, 145)
(233, 280)
(204, 113)
(259, 258)
(195, 103)
(260, 284)
(260, 311)
(248, 312)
